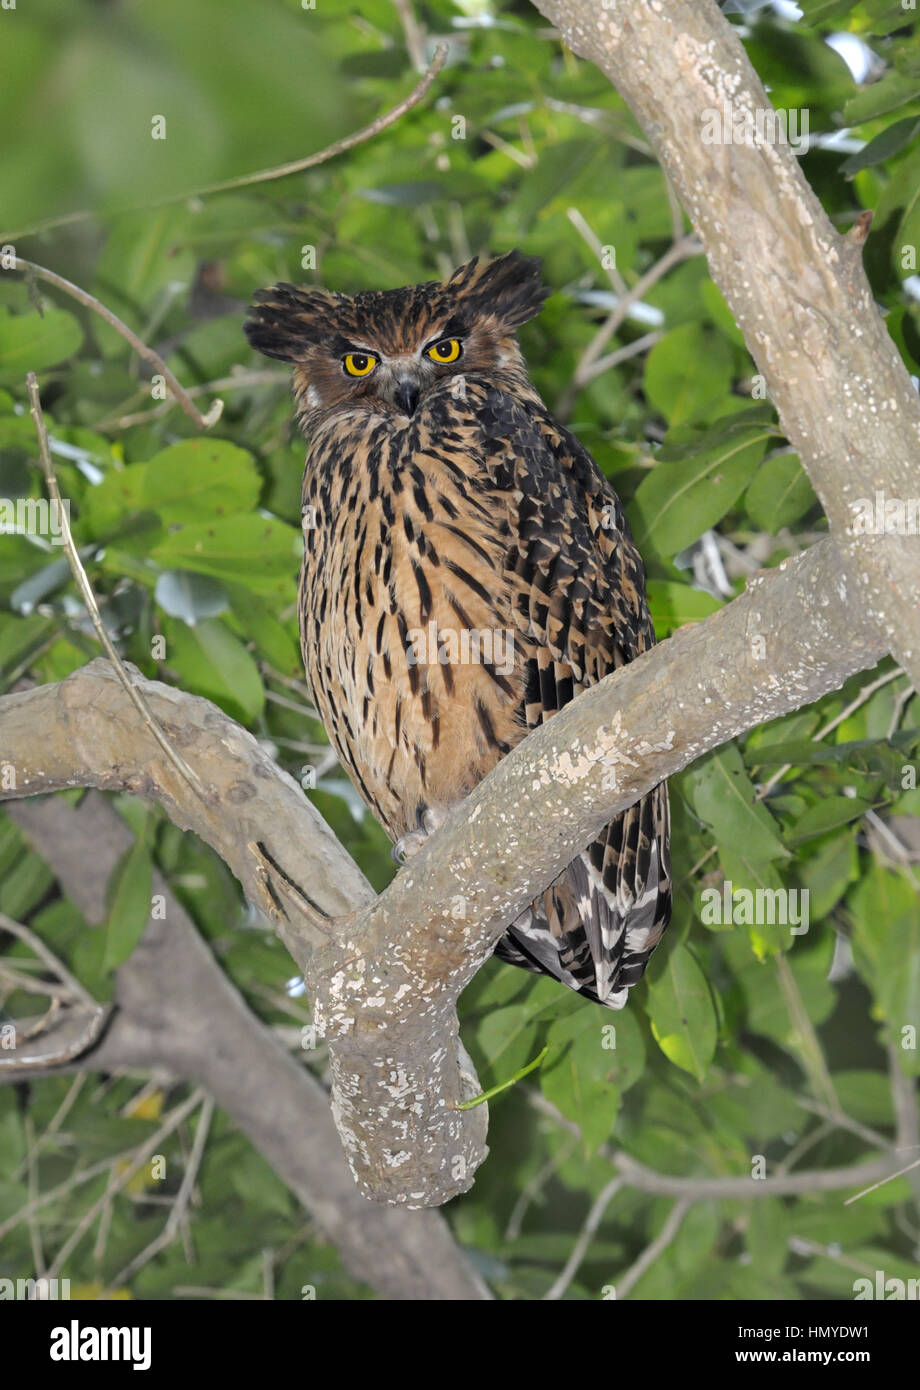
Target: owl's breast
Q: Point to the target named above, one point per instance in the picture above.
(406, 610)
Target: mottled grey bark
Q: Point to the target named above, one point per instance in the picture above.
(795, 286)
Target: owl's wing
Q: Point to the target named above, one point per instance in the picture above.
(581, 612)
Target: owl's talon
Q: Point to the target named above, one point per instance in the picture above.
(410, 844)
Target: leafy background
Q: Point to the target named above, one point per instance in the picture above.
(738, 1035)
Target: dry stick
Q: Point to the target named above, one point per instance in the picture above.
(30, 938)
(280, 171)
(179, 1207)
(594, 1219)
(866, 693)
(89, 598)
(415, 38)
(55, 1122)
(172, 1122)
(882, 1181)
(237, 381)
(588, 366)
(643, 1179)
(813, 1059)
(625, 1285)
(203, 422)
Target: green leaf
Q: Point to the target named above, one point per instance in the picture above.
(680, 500)
(200, 477)
(197, 478)
(687, 372)
(826, 815)
(828, 873)
(894, 90)
(681, 1011)
(888, 142)
(257, 551)
(210, 661)
(779, 493)
(600, 1058)
(886, 942)
(673, 604)
(723, 796)
(259, 622)
(128, 896)
(32, 342)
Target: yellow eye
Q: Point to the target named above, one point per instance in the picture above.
(447, 350)
(359, 363)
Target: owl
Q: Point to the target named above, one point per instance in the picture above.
(467, 571)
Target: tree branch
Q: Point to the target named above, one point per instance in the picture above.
(385, 978)
(795, 286)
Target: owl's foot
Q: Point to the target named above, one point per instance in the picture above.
(410, 844)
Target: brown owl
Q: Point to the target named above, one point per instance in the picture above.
(467, 571)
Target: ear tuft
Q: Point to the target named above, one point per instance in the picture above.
(287, 320)
(510, 287)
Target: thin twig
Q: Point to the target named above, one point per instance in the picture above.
(30, 938)
(142, 1155)
(865, 694)
(179, 1208)
(203, 422)
(89, 598)
(279, 171)
(593, 1220)
(881, 1182)
(236, 382)
(56, 1120)
(665, 1236)
(588, 366)
(623, 354)
(415, 38)
(644, 1179)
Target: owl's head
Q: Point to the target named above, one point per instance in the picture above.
(382, 350)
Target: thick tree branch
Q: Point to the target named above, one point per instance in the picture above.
(385, 979)
(796, 287)
(177, 1012)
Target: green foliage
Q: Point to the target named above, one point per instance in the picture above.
(192, 543)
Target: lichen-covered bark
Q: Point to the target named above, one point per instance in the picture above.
(795, 286)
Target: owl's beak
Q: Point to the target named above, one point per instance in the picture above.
(407, 394)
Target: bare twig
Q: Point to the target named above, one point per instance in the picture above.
(588, 366)
(585, 1236)
(179, 1206)
(627, 1282)
(865, 694)
(182, 396)
(89, 598)
(24, 933)
(142, 1155)
(636, 1175)
(279, 171)
(415, 38)
(237, 381)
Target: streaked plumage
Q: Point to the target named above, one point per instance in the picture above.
(444, 493)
